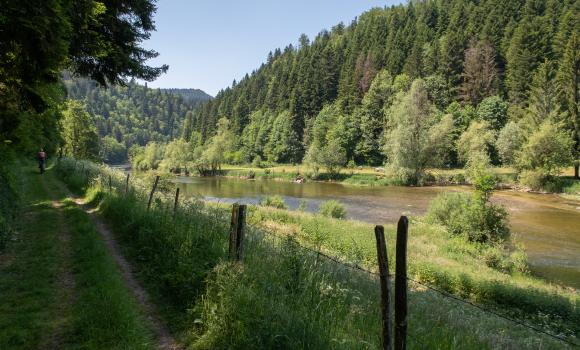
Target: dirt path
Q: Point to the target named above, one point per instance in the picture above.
(164, 337)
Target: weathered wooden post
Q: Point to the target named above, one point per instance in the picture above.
(384, 280)
(152, 192)
(176, 200)
(237, 229)
(401, 285)
(127, 184)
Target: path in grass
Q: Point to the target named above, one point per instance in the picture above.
(165, 339)
(63, 282)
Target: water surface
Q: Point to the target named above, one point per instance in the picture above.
(547, 225)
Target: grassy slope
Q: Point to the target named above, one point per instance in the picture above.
(284, 297)
(99, 313)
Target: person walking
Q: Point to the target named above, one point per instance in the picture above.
(41, 160)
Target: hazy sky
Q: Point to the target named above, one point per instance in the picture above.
(208, 43)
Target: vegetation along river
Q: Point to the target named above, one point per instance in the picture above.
(547, 225)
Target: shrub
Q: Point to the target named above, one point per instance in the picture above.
(273, 201)
(533, 179)
(471, 218)
(257, 162)
(333, 209)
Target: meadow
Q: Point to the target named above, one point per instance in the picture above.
(286, 295)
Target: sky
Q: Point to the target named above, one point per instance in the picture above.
(209, 43)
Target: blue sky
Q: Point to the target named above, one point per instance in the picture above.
(208, 43)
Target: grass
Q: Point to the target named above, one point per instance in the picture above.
(284, 296)
(95, 310)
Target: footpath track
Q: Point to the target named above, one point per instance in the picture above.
(46, 296)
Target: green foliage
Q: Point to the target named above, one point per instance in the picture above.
(38, 39)
(333, 209)
(548, 150)
(509, 142)
(412, 144)
(79, 132)
(493, 110)
(469, 218)
(134, 114)
(273, 201)
(477, 139)
(112, 151)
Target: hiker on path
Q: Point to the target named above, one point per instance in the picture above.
(41, 160)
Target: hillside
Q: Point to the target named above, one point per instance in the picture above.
(133, 114)
(194, 96)
(490, 61)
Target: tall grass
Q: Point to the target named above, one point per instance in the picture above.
(281, 296)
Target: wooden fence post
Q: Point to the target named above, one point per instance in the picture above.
(401, 285)
(127, 184)
(384, 280)
(152, 192)
(176, 200)
(237, 229)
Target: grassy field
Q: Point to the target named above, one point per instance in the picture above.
(59, 287)
(285, 296)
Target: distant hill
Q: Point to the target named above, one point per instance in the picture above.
(190, 95)
(134, 114)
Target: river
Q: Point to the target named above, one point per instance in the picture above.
(547, 225)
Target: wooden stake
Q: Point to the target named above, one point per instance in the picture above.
(401, 285)
(152, 192)
(237, 229)
(176, 200)
(384, 280)
(127, 184)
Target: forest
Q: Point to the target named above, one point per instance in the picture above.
(416, 86)
(133, 114)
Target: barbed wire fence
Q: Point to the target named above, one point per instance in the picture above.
(115, 181)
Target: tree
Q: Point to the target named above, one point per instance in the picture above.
(40, 38)
(177, 154)
(479, 72)
(548, 150)
(79, 132)
(218, 146)
(544, 104)
(493, 110)
(408, 141)
(477, 139)
(372, 118)
(509, 142)
(569, 83)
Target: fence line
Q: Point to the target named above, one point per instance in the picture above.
(362, 269)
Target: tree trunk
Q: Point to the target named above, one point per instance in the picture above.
(576, 171)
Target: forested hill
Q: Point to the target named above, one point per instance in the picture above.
(465, 51)
(194, 96)
(133, 114)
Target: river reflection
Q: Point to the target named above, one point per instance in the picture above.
(547, 225)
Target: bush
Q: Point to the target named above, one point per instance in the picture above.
(473, 219)
(533, 179)
(257, 162)
(333, 209)
(273, 201)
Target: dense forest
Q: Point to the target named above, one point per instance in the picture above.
(133, 114)
(429, 83)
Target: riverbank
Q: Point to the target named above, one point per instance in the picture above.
(284, 290)
(565, 185)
